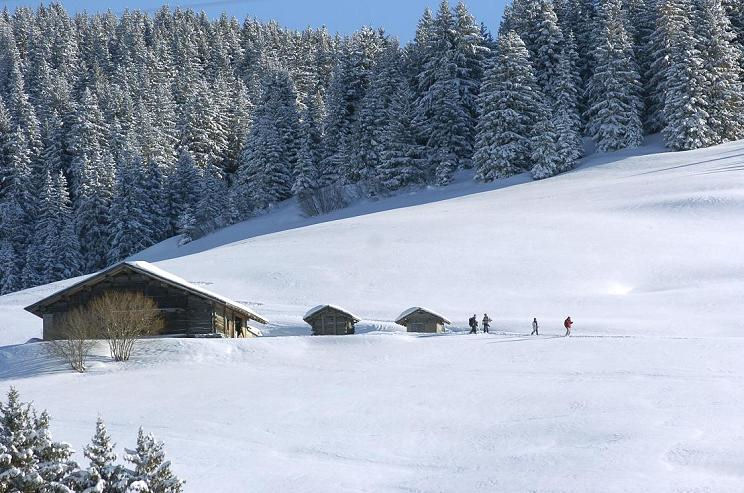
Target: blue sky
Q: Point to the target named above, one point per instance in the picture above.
(398, 17)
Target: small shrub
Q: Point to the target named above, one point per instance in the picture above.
(124, 317)
(76, 339)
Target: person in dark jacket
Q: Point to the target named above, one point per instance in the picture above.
(567, 324)
(473, 324)
(486, 322)
(535, 327)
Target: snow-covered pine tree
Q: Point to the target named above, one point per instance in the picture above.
(33, 269)
(416, 54)
(182, 187)
(86, 139)
(22, 112)
(546, 161)
(348, 86)
(91, 209)
(735, 11)
(150, 466)
(374, 117)
(103, 475)
(722, 67)
(61, 247)
(472, 48)
(685, 106)
(55, 464)
(579, 18)
(130, 221)
(265, 174)
(19, 466)
(444, 121)
(565, 115)
(510, 107)
(642, 15)
(100, 451)
(201, 130)
(549, 45)
(402, 159)
(615, 104)
(339, 120)
(307, 168)
(239, 113)
(522, 19)
(212, 210)
(16, 208)
(658, 60)
(310, 152)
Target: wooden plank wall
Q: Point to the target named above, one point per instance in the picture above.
(184, 313)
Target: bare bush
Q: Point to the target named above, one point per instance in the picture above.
(123, 317)
(76, 339)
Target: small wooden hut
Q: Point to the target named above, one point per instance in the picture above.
(330, 320)
(186, 309)
(417, 319)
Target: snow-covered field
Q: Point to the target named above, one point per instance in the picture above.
(642, 248)
(393, 412)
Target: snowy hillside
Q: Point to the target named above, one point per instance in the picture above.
(635, 242)
(397, 412)
(640, 248)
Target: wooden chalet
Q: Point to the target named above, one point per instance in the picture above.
(187, 310)
(417, 319)
(330, 320)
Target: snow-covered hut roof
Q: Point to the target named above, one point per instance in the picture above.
(415, 309)
(318, 308)
(156, 272)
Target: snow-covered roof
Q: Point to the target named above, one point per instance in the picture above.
(149, 269)
(167, 276)
(414, 309)
(318, 308)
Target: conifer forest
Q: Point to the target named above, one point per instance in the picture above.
(118, 131)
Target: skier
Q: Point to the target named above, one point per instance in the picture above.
(535, 328)
(473, 324)
(567, 324)
(486, 323)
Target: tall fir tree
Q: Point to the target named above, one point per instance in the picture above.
(402, 158)
(614, 92)
(374, 117)
(685, 105)
(510, 108)
(721, 65)
(130, 219)
(549, 45)
(565, 113)
(546, 160)
(265, 174)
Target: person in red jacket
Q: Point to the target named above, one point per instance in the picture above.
(567, 324)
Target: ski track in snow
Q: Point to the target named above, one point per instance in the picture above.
(640, 247)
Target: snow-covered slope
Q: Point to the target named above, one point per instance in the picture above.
(396, 412)
(633, 242)
(641, 248)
